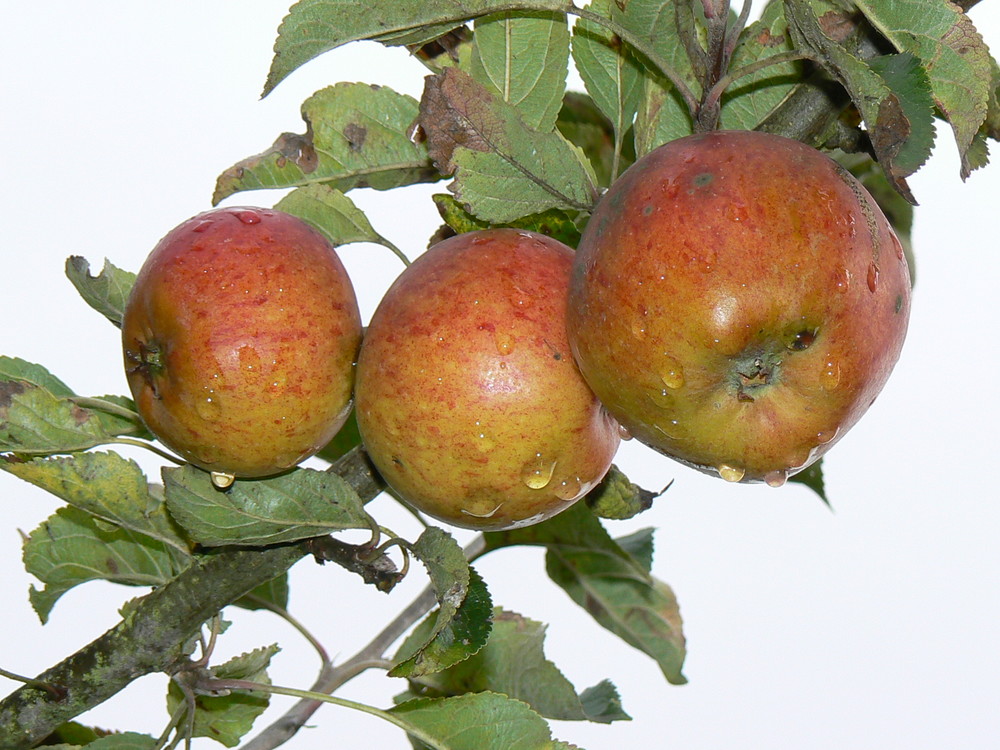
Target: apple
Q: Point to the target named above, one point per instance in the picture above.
(738, 300)
(240, 337)
(467, 397)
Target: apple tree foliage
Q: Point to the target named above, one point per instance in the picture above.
(870, 81)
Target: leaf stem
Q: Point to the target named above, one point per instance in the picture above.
(311, 695)
(287, 616)
(370, 656)
(122, 440)
(89, 402)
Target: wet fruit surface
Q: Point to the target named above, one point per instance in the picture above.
(240, 337)
(737, 302)
(468, 399)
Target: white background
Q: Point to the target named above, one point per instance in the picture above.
(874, 626)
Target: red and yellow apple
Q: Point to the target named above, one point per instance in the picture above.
(467, 397)
(240, 337)
(738, 300)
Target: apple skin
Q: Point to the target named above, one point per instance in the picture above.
(240, 337)
(738, 300)
(467, 397)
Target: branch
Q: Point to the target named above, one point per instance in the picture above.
(152, 635)
(150, 639)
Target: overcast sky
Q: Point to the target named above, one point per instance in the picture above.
(872, 626)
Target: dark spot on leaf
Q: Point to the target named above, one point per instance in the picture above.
(299, 148)
(767, 39)
(9, 389)
(355, 135)
(837, 25)
(112, 566)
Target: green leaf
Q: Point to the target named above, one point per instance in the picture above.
(450, 577)
(476, 721)
(122, 741)
(313, 27)
(552, 223)
(750, 99)
(73, 547)
(897, 130)
(513, 663)
(226, 718)
(951, 51)
(503, 170)
(40, 415)
(585, 126)
(523, 59)
(430, 648)
(616, 497)
(107, 292)
(612, 585)
(357, 135)
(906, 78)
(812, 477)
(299, 504)
(610, 72)
(663, 115)
(274, 592)
(334, 215)
(106, 486)
(346, 439)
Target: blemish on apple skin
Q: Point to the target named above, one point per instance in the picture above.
(899, 303)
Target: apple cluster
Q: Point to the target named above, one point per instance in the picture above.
(737, 301)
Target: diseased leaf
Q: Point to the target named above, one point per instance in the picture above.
(503, 170)
(476, 721)
(513, 663)
(887, 120)
(73, 547)
(618, 498)
(313, 27)
(750, 99)
(552, 223)
(107, 292)
(107, 486)
(611, 73)
(226, 718)
(357, 135)
(451, 48)
(952, 53)
(612, 585)
(40, 415)
(450, 577)
(428, 649)
(299, 504)
(523, 59)
(334, 215)
(907, 80)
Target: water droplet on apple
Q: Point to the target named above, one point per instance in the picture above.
(899, 247)
(248, 217)
(672, 373)
(208, 406)
(731, 473)
(482, 508)
(223, 480)
(202, 225)
(873, 274)
(844, 282)
(802, 341)
(623, 432)
(639, 329)
(569, 488)
(504, 343)
(776, 478)
(830, 376)
(537, 473)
